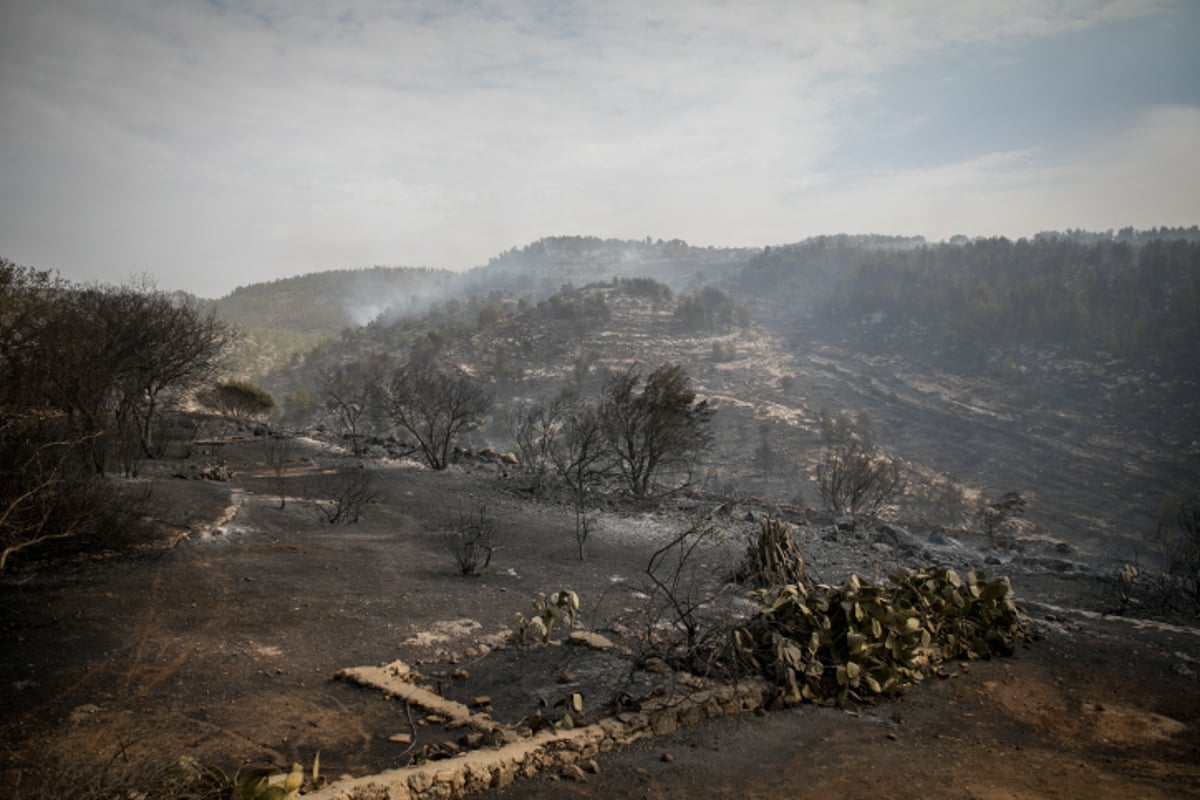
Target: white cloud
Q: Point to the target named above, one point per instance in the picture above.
(1143, 176)
(215, 147)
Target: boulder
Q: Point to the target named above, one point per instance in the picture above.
(893, 535)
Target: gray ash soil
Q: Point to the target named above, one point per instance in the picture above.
(225, 648)
(1097, 448)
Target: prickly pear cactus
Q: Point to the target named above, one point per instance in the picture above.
(857, 641)
(546, 611)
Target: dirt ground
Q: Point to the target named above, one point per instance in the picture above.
(226, 646)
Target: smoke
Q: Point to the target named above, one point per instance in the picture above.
(388, 294)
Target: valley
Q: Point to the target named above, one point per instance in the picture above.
(226, 634)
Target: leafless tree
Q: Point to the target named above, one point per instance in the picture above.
(995, 516)
(80, 367)
(353, 490)
(661, 428)
(685, 586)
(435, 407)
(26, 298)
(277, 447)
(30, 510)
(179, 346)
(351, 393)
(535, 427)
(854, 475)
(472, 540)
(108, 358)
(1178, 546)
(581, 458)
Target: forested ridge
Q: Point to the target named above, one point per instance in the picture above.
(1088, 294)
(1130, 301)
(1129, 294)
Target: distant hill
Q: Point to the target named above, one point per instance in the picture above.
(327, 302)
(284, 319)
(1129, 293)
(545, 265)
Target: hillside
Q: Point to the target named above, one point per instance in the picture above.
(327, 302)
(282, 320)
(1062, 367)
(280, 560)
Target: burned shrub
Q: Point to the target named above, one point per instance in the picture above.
(472, 541)
(353, 489)
(854, 475)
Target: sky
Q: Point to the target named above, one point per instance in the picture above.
(210, 145)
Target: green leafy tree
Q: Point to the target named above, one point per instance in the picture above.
(239, 399)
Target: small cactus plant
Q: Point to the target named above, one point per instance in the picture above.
(255, 782)
(547, 609)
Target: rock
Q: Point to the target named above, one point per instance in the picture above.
(893, 535)
(667, 758)
(664, 724)
(845, 524)
(572, 772)
(592, 766)
(401, 738)
(589, 639)
(938, 537)
(567, 677)
(399, 669)
(656, 665)
(448, 777)
(83, 713)
(419, 782)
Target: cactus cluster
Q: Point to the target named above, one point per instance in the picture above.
(856, 642)
(547, 609)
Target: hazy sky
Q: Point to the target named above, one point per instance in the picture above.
(215, 144)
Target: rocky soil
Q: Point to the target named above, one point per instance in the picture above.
(226, 648)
